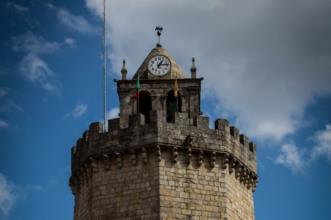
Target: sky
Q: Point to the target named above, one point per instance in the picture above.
(266, 68)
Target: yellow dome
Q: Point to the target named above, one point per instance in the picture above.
(175, 71)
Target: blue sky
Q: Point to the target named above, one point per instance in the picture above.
(266, 67)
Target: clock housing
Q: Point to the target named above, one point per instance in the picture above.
(159, 65)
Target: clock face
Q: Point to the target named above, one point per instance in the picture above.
(159, 65)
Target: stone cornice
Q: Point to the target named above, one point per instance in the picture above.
(144, 154)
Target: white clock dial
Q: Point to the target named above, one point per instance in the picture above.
(159, 65)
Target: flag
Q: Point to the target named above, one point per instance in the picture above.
(137, 87)
(176, 89)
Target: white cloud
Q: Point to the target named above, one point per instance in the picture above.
(262, 67)
(35, 69)
(3, 92)
(19, 8)
(323, 144)
(96, 6)
(70, 42)
(9, 106)
(34, 187)
(31, 43)
(79, 110)
(298, 158)
(291, 157)
(8, 196)
(35, 44)
(74, 22)
(113, 113)
(3, 124)
(49, 5)
(32, 66)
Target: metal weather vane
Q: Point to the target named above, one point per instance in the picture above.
(159, 30)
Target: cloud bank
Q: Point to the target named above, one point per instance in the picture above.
(262, 60)
(298, 158)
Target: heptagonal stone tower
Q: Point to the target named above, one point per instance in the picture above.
(160, 159)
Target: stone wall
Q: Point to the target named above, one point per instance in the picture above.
(240, 205)
(116, 188)
(198, 191)
(162, 183)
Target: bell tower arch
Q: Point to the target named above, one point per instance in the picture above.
(145, 104)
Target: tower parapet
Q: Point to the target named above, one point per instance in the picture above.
(223, 139)
(233, 150)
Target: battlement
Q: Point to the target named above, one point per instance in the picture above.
(184, 134)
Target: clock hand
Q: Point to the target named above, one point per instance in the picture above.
(160, 63)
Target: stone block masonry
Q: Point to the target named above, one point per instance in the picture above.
(163, 171)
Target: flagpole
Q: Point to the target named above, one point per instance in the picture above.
(104, 73)
(138, 94)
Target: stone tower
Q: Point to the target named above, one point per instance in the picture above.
(160, 159)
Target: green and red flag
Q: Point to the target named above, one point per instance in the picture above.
(137, 87)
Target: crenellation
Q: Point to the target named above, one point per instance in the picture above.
(80, 142)
(252, 147)
(113, 125)
(244, 140)
(222, 124)
(85, 135)
(202, 122)
(234, 132)
(94, 131)
(209, 139)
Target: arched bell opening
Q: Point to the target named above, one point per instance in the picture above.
(174, 104)
(145, 104)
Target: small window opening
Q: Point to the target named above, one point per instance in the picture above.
(145, 104)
